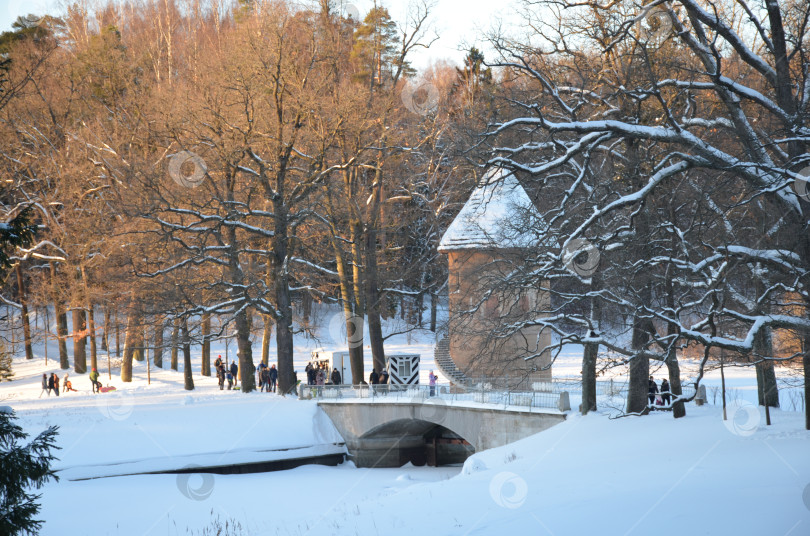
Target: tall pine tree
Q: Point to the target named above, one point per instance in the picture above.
(22, 467)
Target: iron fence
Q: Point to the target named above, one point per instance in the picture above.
(518, 399)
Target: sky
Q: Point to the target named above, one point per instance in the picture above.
(457, 22)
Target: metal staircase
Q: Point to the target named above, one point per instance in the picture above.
(446, 365)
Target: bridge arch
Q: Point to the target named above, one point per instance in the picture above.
(440, 445)
(389, 434)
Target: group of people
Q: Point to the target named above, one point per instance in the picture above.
(659, 398)
(267, 377)
(378, 378)
(52, 383)
(318, 373)
(226, 373)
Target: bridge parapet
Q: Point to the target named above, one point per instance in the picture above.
(448, 394)
(389, 427)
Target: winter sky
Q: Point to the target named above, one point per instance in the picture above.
(457, 22)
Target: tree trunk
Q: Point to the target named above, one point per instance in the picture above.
(139, 353)
(47, 332)
(188, 380)
(91, 328)
(767, 389)
(284, 337)
(373, 298)
(91, 320)
(589, 378)
(306, 307)
(130, 342)
(266, 336)
(433, 311)
(61, 320)
(591, 352)
(281, 284)
(79, 341)
(158, 341)
(175, 342)
(206, 344)
(62, 334)
(675, 387)
(356, 227)
(105, 334)
(117, 334)
(354, 331)
(355, 351)
(638, 387)
(673, 367)
(806, 366)
(29, 352)
(247, 371)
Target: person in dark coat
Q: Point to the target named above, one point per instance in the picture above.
(312, 375)
(260, 375)
(335, 377)
(266, 379)
(273, 375)
(218, 362)
(234, 370)
(652, 391)
(55, 381)
(374, 377)
(665, 396)
(221, 376)
(384, 376)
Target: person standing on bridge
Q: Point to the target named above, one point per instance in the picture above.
(374, 377)
(432, 381)
(310, 370)
(335, 377)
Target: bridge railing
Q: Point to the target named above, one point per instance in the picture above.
(522, 399)
(603, 387)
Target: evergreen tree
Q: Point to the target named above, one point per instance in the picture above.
(5, 363)
(21, 467)
(375, 50)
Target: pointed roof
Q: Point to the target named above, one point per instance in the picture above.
(498, 215)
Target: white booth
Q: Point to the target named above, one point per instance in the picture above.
(403, 369)
(333, 360)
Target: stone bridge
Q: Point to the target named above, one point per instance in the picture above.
(382, 433)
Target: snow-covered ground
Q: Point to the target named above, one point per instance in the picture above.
(650, 475)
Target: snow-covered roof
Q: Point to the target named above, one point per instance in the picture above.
(498, 215)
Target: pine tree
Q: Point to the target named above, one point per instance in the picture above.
(21, 467)
(6, 374)
(375, 50)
